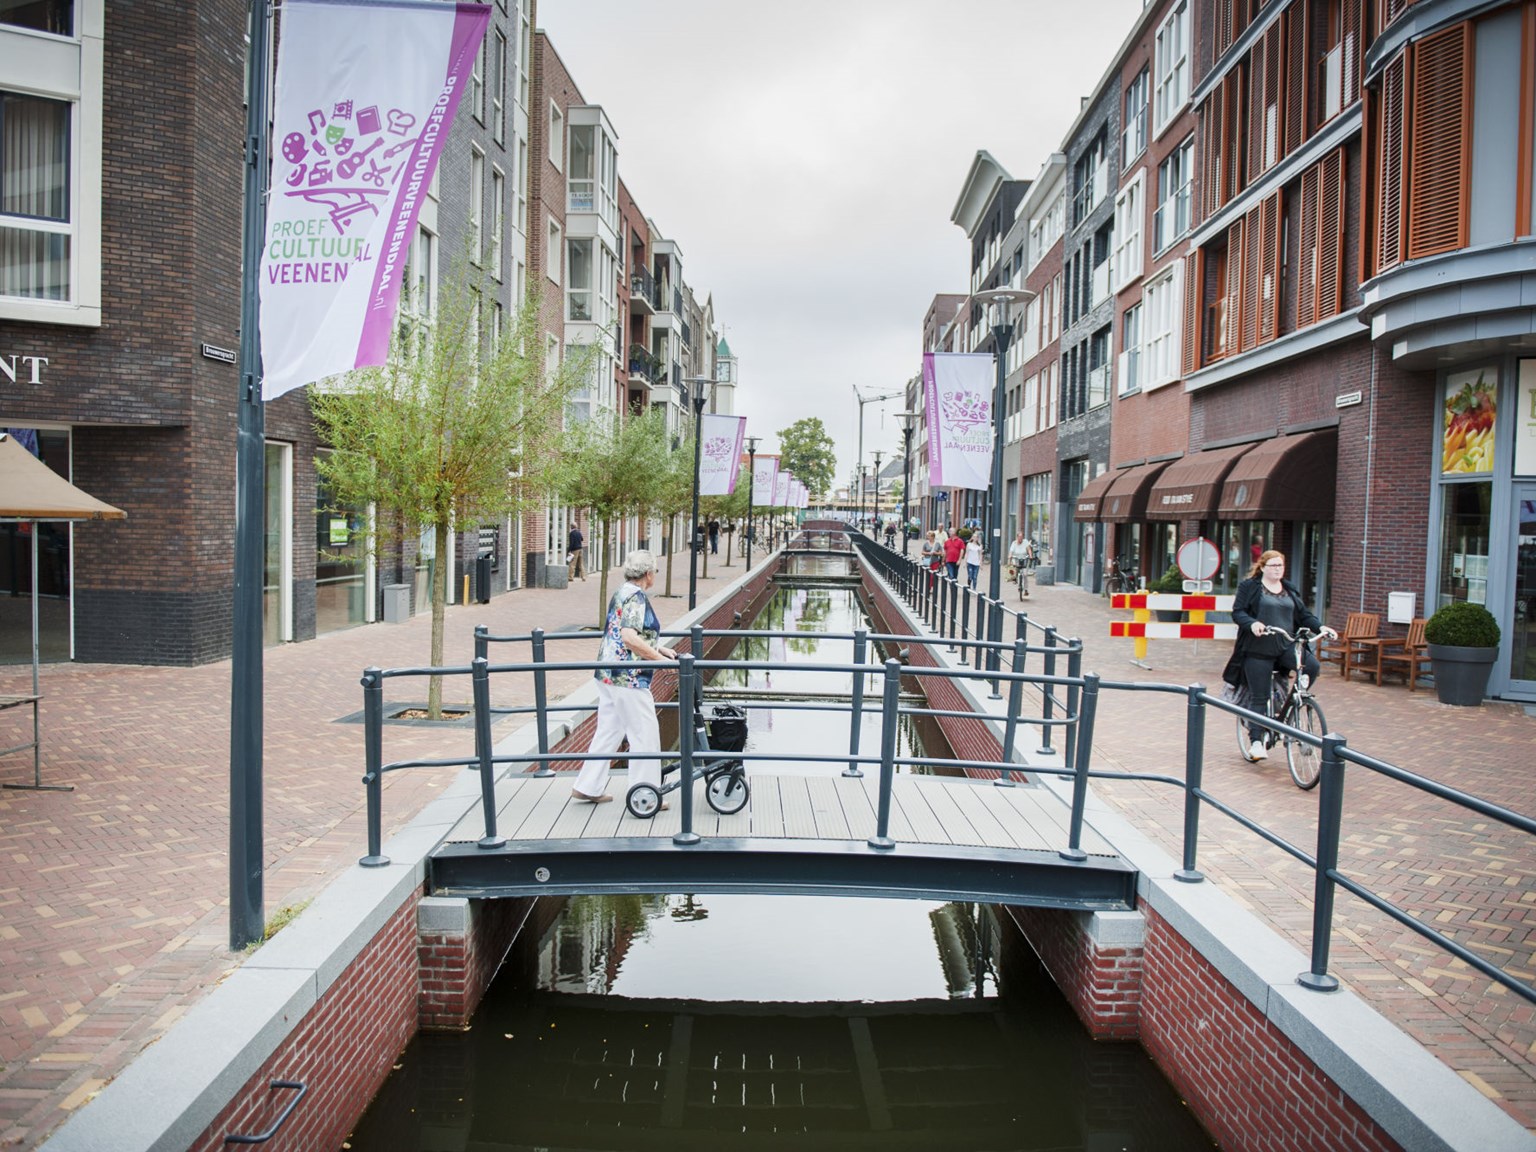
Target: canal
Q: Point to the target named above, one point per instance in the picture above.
(746, 1021)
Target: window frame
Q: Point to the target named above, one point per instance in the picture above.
(1127, 254)
(554, 251)
(1170, 69)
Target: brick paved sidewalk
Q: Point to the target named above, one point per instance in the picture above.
(114, 897)
(113, 913)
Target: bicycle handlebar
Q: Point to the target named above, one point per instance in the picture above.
(1305, 635)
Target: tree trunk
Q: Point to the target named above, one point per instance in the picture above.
(671, 540)
(607, 562)
(730, 534)
(439, 613)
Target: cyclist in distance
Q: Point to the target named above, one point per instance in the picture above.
(1268, 600)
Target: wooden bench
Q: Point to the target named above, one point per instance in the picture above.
(1353, 644)
(1403, 656)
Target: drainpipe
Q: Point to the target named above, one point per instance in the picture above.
(1370, 466)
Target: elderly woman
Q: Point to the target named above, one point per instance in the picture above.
(624, 703)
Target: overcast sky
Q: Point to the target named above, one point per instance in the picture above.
(806, 157)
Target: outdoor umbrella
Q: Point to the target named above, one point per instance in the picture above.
(31, 491)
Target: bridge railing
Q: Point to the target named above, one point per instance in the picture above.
(1080, 693)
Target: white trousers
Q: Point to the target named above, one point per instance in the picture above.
(622, 712)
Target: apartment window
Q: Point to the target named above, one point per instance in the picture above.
(498, 86)
(1103, 241)
(524, 40)
(53, 16)
(1130, 211)
(1090, 178)
(1130, 350)
(556, 136)
(477, 85)
(581, 185)
(1338, 75)
(1171, 68)
(1133, 138)
(1161, 303)
(1173, 195)
(476, 203)
(498, 218)
(1054, 309)
(578, 287)
(35, 231)
(521, 216)
(1098, 367)
(554, 251)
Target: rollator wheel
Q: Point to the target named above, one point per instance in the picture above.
(643, 801)
(727, 793)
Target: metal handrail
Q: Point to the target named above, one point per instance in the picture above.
(282, 1117)
(1078, 700)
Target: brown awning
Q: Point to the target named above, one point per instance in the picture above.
(1190, 489)
(1287, 478)
(1126, 499)
(1091, 498)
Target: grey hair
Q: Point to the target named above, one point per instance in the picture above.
(640, 563)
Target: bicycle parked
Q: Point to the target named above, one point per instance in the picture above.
(1118, 579)
(1291, 703)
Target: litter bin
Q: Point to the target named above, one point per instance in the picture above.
(483, 578)
(397, 603)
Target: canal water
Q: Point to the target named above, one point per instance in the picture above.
(682, 1022)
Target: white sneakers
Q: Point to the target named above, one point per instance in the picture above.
(1257, 751)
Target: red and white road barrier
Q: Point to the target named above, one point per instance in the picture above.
(1143, 628)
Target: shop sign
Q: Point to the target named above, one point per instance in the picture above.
(1469, 409)
(1525, 423)
(22, 369)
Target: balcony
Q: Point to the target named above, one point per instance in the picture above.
(687, 335)
(643, 296)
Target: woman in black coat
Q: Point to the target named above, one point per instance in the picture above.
(1268, 600)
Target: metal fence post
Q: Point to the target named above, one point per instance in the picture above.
(1194, 773)
(881, 838)
(1048, 690)
(482, 642)
(860, 654)
(481, 681)
(965, 619)
(1330, 819)
(1090, 698)
(1074, 670)
(1011, 725)
(994, 642)
(373, 765)
(1021, 633)
(541, 703)
(685, 674)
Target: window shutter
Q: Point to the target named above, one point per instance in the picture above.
(1269, 269)
(1233, 85)
(1194, 292)
(1255, 132)
(1353, 19)
(1253, 234)
(1232, 290)
(1306, 260)
(1330, 236)
(1440, 114)
(1389, 168)
(1211, 135)
(1297, 123)
(1223, 26)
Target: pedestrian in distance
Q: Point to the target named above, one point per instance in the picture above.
(1268, 600)
(954, 548)
(973, 559)
(714, 536)
(932, 552)
(625, 707)
(573, 554)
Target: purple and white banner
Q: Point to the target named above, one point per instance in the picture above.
(765, 476)
(720, 453)
(957, 392)
(364, 97)
(804, 495)
(781, 489)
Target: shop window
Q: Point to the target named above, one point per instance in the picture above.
(341, 550)
(1464, 535)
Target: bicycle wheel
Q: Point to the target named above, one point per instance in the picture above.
(1306, 761)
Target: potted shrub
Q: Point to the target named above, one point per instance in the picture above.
(1171, 581)
(1463, 641)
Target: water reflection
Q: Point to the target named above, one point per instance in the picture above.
(774, 1022)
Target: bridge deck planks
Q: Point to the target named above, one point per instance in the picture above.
(924, 810)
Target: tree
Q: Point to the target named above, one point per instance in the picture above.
(675, 496)
(806, 450)
(433, 437)
(615, 468)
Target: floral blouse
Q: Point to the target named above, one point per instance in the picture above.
(629, 608)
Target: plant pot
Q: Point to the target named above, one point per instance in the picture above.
(1461, 674)
(1168, 615)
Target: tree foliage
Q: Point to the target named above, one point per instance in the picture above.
(433, 437)
(806, 450)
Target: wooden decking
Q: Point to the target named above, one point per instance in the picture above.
(933, 810)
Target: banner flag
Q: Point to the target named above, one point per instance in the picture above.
(720, 453)
(957, 396)
(363, 100)
(764, 478)
(805, 497)
(781, 489)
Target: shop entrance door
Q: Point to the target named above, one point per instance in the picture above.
(1522, 624)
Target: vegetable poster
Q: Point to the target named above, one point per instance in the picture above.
(1471, 405)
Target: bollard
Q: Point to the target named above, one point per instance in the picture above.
(1194, 773)
(482, 641)
(373, 765)
(1011, 725)
(881, 838)
(1074, 848)
(540, 703)
(860, 653)
(481, 682)
(685, 690)
(1330, 819)
(1074, 670)
(1048, 709)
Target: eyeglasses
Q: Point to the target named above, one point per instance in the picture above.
(1275, 564)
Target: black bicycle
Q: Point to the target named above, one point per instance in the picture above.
(1291, 703)
(1118, 579)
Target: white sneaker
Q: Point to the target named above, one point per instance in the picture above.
(1257, 751)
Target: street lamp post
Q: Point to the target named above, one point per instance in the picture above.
(1003, 300)
(699, 398)
(751, 485)
(874, 518)
(907, 419)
